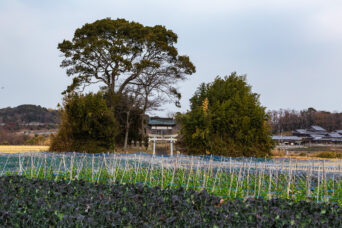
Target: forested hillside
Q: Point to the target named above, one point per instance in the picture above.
(24, 114)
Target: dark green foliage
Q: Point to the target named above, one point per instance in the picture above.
(134, 130)
(118, 52)
(43, 203)
(122, 108)
(88, 125)
(233, 124)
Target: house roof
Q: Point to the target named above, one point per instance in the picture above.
(280, 137)
(334, 135)
(302, 131)
(162, 121)
(328, 140)
(317, 128)
(336, 140)
(316, 136)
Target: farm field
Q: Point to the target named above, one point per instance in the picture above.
(22, 149)
(79, 203)
(228, 178)
(141, 190)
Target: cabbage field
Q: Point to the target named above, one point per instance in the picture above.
(47, 203)
(142, 190)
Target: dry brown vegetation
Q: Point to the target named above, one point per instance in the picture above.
(22, 149)
(309, 153)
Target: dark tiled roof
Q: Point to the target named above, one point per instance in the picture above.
(336, 140)
(302, 131)
(161, 121)
(328, 140)
(334, 135)
(280, 137)
(316, 136)
(317, 128)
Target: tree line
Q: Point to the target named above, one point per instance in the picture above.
(288, 120)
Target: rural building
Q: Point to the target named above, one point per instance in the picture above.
(162, 134)
(287, 140)
(161, 126)
(317, 134)
(301, 133)
(317, 129)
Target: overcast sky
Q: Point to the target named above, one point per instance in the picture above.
(291, 50)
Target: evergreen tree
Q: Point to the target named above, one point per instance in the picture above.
(226, 118)
(87, 125)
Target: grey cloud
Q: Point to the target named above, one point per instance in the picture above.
(290, 50)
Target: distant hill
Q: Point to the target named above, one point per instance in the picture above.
(28, 115)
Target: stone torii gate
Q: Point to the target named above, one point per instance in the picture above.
(168, 138)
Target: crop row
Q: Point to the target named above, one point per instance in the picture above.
(224, 179)
(239, 183)
(48, 203)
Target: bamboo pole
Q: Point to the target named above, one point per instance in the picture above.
(259, 182)
(248, 178)
(213, 189)
(20, 165)
(318, 182)
(45, 164)
(32, 165)
(238, 182)
(71, 166)
(59, 169)
(269, 194)
(231, 182)
(162, 174)
(324, 182)
(190, 173)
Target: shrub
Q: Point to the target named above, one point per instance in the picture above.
(87, 125)
(329, 154)
(38, 140)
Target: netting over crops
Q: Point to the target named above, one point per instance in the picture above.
(222, 176)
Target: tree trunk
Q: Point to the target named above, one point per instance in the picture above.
(142, 126)
(127, 130)
(143, 118)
